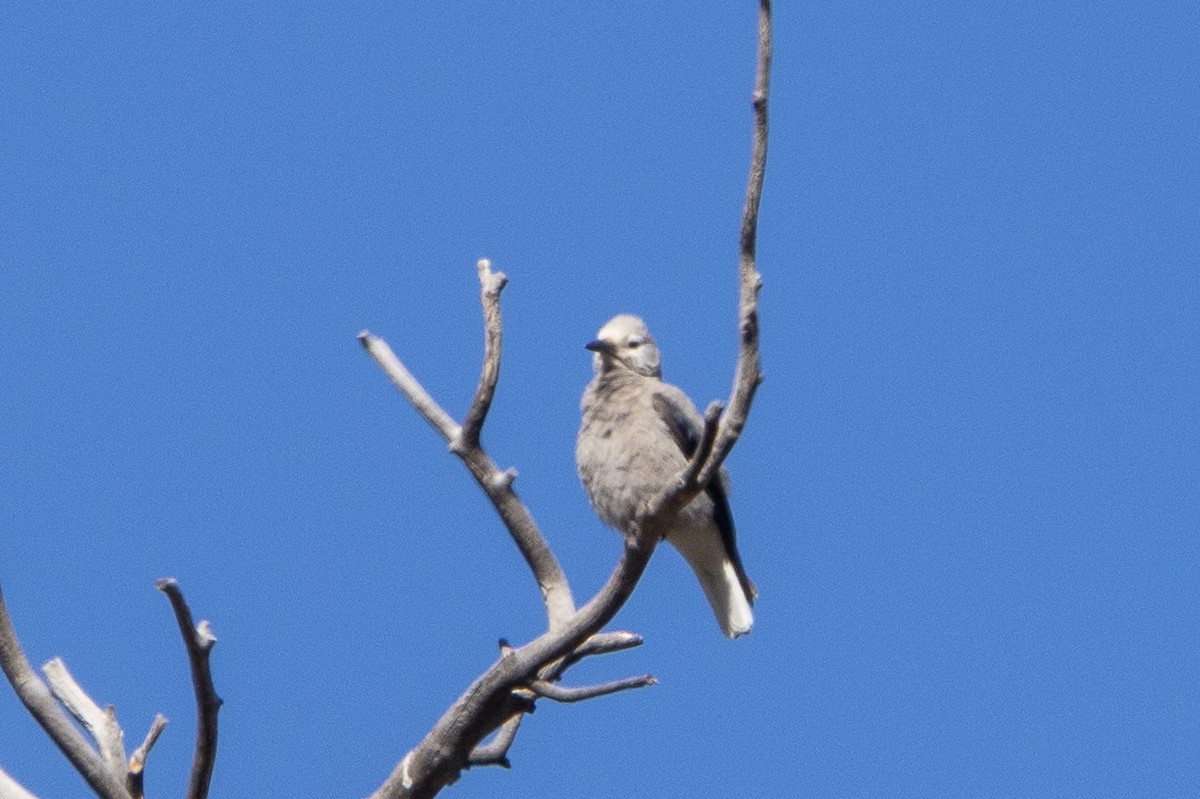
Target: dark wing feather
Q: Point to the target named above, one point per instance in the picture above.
(683, 428)
(687, 434)
(724, 520)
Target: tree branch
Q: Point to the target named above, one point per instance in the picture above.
(100, 724)
(689, 479)
(137, 761)
(38, 700)
(494, 699)
(748, 374)
(199, 641)
(560, 693)
(490, 285)
(495, 752)
(464, 442)
(599, 644)
(488, 702)
(412, 390)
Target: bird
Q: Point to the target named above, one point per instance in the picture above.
(636, 436)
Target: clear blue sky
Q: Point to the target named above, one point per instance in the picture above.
(969, 492)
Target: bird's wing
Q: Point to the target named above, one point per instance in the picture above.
(681, 420)
(685, 425)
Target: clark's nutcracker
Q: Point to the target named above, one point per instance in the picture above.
(636, 437)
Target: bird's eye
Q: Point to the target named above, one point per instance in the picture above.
(634, 343)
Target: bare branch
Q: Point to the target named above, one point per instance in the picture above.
(561, 693)
(100, 724)
(199, 641)
(11, 789)
(37, 699)
(464, 442)
(748, 375)
(491, 700)
(416, 394)
(495, 752)
(490, 285)
(599, 644)
(137, 761)
(688, 479)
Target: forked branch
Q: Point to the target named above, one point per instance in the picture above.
(497, 699)
(748, 374)
(40, 703)
(105, 768)
(100, 724)
(199, 640)
(464, 442)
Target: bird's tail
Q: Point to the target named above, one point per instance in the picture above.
(719, 578)
(728, 600)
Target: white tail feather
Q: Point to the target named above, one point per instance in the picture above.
(728, 601)
(702, 548)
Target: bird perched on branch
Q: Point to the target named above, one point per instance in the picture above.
(637, 435)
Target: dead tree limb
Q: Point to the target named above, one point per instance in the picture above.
(464, 442)
(137, 761)
(198, 640)
(40, 703)
(105, 768)
(495, 701)
(100, 724)
(748, 375)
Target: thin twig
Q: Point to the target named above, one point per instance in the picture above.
(464, 442)
(495, 752)
(748, 374)
(599, 644)
(688, 479)
(490, 285)
(137, 761)
(413, 391)
(100, 724)
(559, 693)
(199, 641)
(38, 700)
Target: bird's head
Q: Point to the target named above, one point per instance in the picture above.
(625, 343)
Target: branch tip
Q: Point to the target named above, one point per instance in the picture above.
(198, 641)
(559, 693)
(491, 282)
(137, 761)
(495, 753)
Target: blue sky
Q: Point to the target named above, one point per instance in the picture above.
(968, 492)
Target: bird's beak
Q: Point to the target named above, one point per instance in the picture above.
(599, 345)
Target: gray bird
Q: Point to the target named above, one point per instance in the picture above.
(636, 436)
